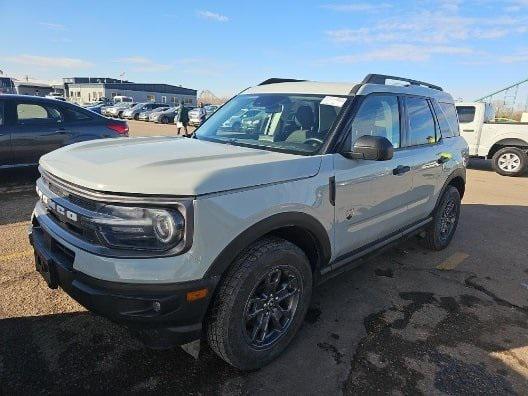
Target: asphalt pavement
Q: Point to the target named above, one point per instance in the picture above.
(409, 321)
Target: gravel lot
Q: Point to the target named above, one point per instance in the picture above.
(408, 321)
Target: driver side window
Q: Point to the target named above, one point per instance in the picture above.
(378, 115)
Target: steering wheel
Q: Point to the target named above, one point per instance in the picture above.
(312, 141)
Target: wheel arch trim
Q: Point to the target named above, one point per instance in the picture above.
(267, 226)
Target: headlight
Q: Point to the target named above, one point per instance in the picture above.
(138, 228)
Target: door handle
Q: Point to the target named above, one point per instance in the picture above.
(468, 130)
(401, 169)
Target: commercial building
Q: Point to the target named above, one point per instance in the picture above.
(89, 89)
(32, 88)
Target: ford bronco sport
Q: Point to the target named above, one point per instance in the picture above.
(226, 233)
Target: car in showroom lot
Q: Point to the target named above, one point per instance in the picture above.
(225, 234)
(165, 116)
(31, 126)
(194, 114)
(145, 115)
(116, 111)
(133, 112)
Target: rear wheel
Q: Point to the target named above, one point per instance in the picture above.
(510, 161)
(439, 233)
(164, 120)
(136, 117)
(260, 304)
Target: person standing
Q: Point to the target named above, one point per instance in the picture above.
(182, 119)
(203, 113)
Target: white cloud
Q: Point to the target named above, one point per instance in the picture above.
(400, 53)
(520, 56)
(213, 16)
(48, 62)
(142, 64)
(356, 7)
(444, 25)
(53, 26)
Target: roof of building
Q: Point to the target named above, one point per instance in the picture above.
(162, 88)
(32, 84)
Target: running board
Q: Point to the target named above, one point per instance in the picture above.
(353, 259)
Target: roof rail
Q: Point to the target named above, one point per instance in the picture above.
(382, 78)
(279, 80)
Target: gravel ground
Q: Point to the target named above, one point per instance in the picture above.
(408, 321)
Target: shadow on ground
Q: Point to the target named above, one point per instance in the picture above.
(397, 324)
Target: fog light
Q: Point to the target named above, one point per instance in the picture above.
(156, 306)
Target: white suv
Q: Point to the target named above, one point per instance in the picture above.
(226, 233)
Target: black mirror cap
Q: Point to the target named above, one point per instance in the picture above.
(373, 148)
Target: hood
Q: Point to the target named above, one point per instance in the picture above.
(172, 166)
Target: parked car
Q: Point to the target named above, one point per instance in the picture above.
(155, 112)
(164, 116)
(96, 107)
(133, 112)
(144, 115)
(121, 98)
(194, 114)
(505, 143)
(227, 234)
(31, 126)
(117, 110)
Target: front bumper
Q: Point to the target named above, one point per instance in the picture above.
(161, 315)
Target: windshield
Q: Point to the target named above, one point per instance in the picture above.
(284, 122)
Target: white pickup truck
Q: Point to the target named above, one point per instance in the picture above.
(506, 144)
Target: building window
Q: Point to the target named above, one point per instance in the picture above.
(163, 99)
(151, 98)
(114, 94)
(174, 100)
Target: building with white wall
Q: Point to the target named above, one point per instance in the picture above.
(85, 92)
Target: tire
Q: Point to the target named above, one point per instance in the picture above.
(136, 117)
(510, 161)
(229, 331)
(164, 120)
(437, 237)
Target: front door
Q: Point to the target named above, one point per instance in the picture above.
(38, 129)
(371, 196)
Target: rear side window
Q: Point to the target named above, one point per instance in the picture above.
(466, 114)
(28, 113)
(378, 116)
(421, 125)
(72, 115)
(447, 119)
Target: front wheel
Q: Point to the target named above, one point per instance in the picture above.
(510, 161)
(439, 233)
(261, 304)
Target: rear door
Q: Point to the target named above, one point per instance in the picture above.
(80, 125)
(470, 119)
(38, 129)
(5, 136)
(422, 141)
(371, 196)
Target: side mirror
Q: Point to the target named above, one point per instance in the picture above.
(374, 148)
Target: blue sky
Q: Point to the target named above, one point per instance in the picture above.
(469, 47)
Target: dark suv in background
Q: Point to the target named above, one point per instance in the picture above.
(31, 126)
